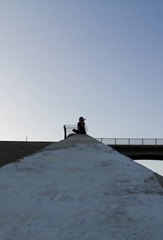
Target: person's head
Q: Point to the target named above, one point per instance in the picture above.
(81, 119)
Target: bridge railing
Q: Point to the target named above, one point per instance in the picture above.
(131, 141)
(68, 129)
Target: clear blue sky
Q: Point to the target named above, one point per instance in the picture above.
(62, 59)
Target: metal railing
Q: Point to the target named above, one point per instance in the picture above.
(131, 141)
(117, 141)
(69, 127)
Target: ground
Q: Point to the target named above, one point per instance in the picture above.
(79, 189)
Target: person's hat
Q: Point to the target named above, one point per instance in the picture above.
(82, 119)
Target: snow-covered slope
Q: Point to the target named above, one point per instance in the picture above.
(79, 189)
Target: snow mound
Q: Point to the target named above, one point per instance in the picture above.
(73, 140)
(83, 190)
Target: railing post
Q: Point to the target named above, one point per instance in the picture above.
(155, 141)
(65, 135)
(142, 141)
(128, 141)
(115, 141)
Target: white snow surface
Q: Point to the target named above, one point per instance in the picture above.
(81, 191)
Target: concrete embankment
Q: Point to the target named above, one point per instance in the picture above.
(79, 188)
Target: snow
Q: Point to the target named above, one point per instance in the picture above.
(79, 189)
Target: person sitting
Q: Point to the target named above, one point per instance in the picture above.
(80, 126)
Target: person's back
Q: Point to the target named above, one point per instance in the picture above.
(80, 126)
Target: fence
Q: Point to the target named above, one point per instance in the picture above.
(68, 129)
(131, 141)
(117, 141)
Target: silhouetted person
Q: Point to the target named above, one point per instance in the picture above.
(80, 126)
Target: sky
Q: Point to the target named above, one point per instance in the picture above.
(62, 59)
(154, 165)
